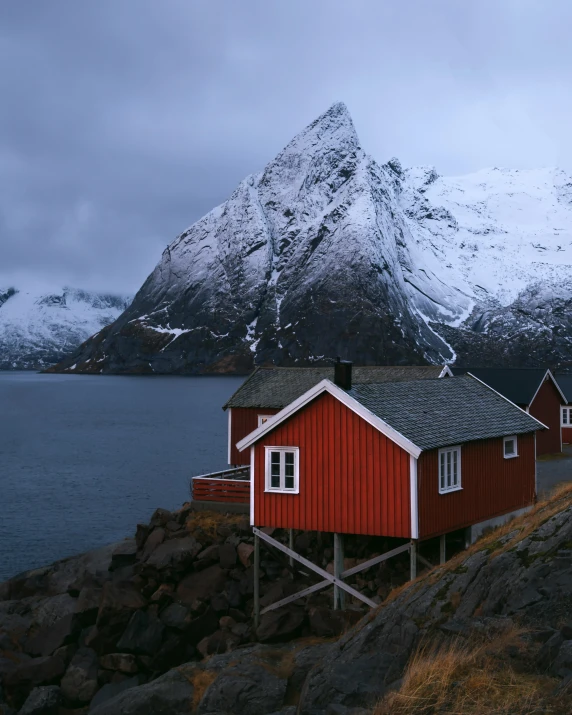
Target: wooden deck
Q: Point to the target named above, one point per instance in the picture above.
(230, 486)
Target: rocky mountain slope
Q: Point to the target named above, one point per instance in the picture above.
(326, 252)
(39, 327)
(162, 623)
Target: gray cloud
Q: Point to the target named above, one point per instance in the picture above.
(122, 122)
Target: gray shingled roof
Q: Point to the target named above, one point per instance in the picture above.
(439, 413)
(518, 384)
(276, 387)
(564, 381)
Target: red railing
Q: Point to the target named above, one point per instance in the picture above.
(218, 487)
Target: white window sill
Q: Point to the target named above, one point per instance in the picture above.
(281, 491)
(510, 456)
(448, 491)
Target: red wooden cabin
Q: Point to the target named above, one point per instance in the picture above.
(269, 389)
(536, 391)
(409, 459)
(564, 381)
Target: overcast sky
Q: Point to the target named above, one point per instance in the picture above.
(124, 121)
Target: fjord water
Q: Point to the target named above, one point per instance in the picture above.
(84, 458)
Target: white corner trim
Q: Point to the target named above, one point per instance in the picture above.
(252, 486)
(510, 402)
(328, 386)
(414, 497)
(446, 371)
(229, 433)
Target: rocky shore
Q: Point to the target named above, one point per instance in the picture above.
(162, 623)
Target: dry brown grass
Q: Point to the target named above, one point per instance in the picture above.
(200, 679)
(209, 521)
(472, 678)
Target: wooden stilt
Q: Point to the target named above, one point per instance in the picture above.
(413, 560)
(339, 595)
(468, 535)
(256, 581)
(443, 548)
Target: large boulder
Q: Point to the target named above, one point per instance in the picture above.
(36, 671)
(171, 693)
(48, 611)
(79, 684)
(49, 638)
(176, 616)
(143, 634)
(177, 553)
(122, 662)
(87, 605)
(201, 585)
(118, 603)
(124, 554)
(281, 625)
(44, 700)
(111, 690)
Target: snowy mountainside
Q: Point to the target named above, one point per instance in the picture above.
(326, 252)
(39, 327)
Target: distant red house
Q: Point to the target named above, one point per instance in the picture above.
(536, 391)
(564, 381)
(270, 389)
(411, 459)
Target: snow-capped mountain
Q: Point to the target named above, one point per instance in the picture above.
(39, 327)
(326, 252)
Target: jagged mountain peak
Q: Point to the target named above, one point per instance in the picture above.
(325, 252)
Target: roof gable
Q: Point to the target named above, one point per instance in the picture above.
(421, 414)
(276, 387)
(519, 384)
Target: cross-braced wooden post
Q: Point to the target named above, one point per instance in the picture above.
(339, 596)
(256, 580)
(413, 560)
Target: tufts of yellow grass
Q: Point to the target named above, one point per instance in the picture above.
(472, 677)
(209, 521)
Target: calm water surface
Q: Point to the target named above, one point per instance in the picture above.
(84, 458)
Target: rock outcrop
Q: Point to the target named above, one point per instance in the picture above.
(176, 636)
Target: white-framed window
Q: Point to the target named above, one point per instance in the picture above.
(282, 469)
(510, 447)
(566, 417)
(449, 469)
(263, 418)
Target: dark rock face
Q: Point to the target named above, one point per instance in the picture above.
(44, 700)
(79, 684)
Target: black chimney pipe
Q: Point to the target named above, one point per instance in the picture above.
(343, 374)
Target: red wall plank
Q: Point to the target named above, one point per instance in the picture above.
(492, 485)
(546, 408)
(244, 420)
(342, 487)
(567, 435)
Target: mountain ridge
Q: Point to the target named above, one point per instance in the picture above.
(325, 252)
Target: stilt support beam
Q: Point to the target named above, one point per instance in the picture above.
(256, 579)
(339, 600)
(413, 560)
(291, 545)
(443, 548)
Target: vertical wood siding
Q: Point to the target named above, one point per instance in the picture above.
(244, 420)
(353, 479)
(567, 435)
(492, 485)
(546, 408)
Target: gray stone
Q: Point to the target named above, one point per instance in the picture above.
(49, 638)
(49, 610)
(227, 556)
(161, 517)
(177, 553)
(124, 554)
(564, 658)
(171, 693)
(79, 684)
(44, 700)
(118, 602)
(201, 585)
(280, 625)
(123, 662)
(110, 690)
(87, 605)
(176, 616)
(156, 537)
(143, 634)
(36, 671)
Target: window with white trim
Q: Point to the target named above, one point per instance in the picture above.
(510, 447)
(449, 469)
(566, 417)
(263, 418)
(282, 469)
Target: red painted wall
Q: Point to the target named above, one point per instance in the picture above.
(546, 408)
(353, 479)
(492, 485)
(244, 420)
(567, 435)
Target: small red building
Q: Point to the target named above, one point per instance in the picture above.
(536, 391)
(564, 381)
(411, 459)
(269, 389)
